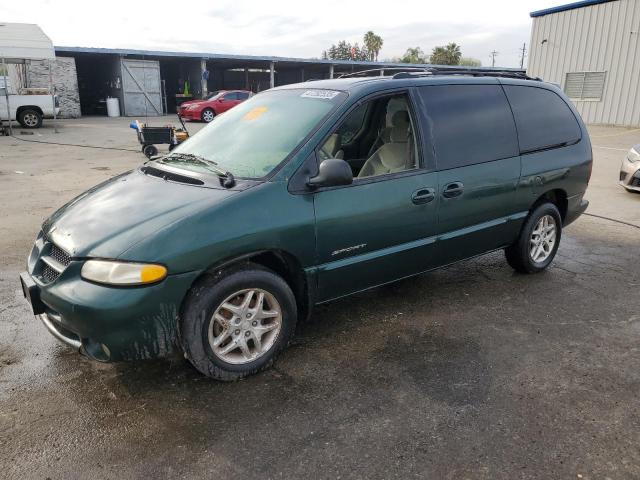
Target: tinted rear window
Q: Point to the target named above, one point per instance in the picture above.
(543, 118)
(470, 124)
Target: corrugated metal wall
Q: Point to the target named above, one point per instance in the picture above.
(603, 37)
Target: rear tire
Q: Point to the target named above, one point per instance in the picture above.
(538, 242)
(30, 118)
(234, 323)
(207, 115)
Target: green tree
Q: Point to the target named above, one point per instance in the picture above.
(373, 44)
(346, 51)
(470, 62)
(413, 55)
(448, 55)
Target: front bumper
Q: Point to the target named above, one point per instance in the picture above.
(189, 114)
(630, 175)
(110, 323)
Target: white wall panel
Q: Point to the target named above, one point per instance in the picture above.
(597, 38)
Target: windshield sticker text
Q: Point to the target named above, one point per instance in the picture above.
(322, 94)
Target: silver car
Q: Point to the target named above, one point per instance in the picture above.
(630, 170)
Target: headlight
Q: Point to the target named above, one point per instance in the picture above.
(122, 273)
(633, 156)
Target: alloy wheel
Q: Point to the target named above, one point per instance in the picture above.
(245, 326)
(207, 116)
(543, 239)
(30, 119)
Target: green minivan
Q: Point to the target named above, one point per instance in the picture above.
(301, 195)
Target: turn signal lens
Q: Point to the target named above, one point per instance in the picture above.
(122, 273)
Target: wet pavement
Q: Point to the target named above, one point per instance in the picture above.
(471, 371)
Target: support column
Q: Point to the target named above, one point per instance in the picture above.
(204, 82)
(246, 79)
(382, 73)
(6, 94)
(330, 71)
(53, 98)
(272, 74)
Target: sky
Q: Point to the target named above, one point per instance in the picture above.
(288, 28)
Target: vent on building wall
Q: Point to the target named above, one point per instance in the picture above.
(584, 85)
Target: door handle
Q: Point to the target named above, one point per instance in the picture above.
(423, 195)
(453, 189)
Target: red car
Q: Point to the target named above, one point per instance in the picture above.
(219, 102)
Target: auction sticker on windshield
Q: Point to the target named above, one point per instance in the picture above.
(323, 94)
(255, 113)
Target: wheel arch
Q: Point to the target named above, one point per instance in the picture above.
(280, 262)
(22, 108)
(556, 196)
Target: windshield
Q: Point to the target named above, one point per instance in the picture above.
(253, 138)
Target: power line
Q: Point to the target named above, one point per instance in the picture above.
(493, 58)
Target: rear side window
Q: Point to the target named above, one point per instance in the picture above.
(470, 124)
(543, 119)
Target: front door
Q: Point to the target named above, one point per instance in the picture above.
(373, 233)
(227, 101)
(383, 226)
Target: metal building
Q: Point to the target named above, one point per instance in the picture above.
(592, 50)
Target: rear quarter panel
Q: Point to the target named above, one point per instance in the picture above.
(565, 168)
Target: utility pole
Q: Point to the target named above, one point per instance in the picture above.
(493, 58)
(524, 54)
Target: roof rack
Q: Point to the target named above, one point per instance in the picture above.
(474, 72)
(366, 73)
(413, 72)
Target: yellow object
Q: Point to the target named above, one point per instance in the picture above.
(152, 273)
(255, 113)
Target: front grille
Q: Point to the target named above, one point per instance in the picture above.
(60, 255)
(51, 260)
(49, 274)
(635, 182)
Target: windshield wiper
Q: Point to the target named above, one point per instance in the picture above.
(226, 177)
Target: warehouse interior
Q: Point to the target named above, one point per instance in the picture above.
(154, 82)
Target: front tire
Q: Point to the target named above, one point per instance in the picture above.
(207, 115)
(30, 118)
(538, 242)
(234, 324)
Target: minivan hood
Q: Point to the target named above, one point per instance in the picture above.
(113, 216)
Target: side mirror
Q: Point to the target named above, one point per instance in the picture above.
(333, 172)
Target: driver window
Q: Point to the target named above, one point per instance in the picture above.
(376, 138)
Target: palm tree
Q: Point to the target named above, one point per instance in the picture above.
(449, 55)
(373, 43)
(453, 53)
